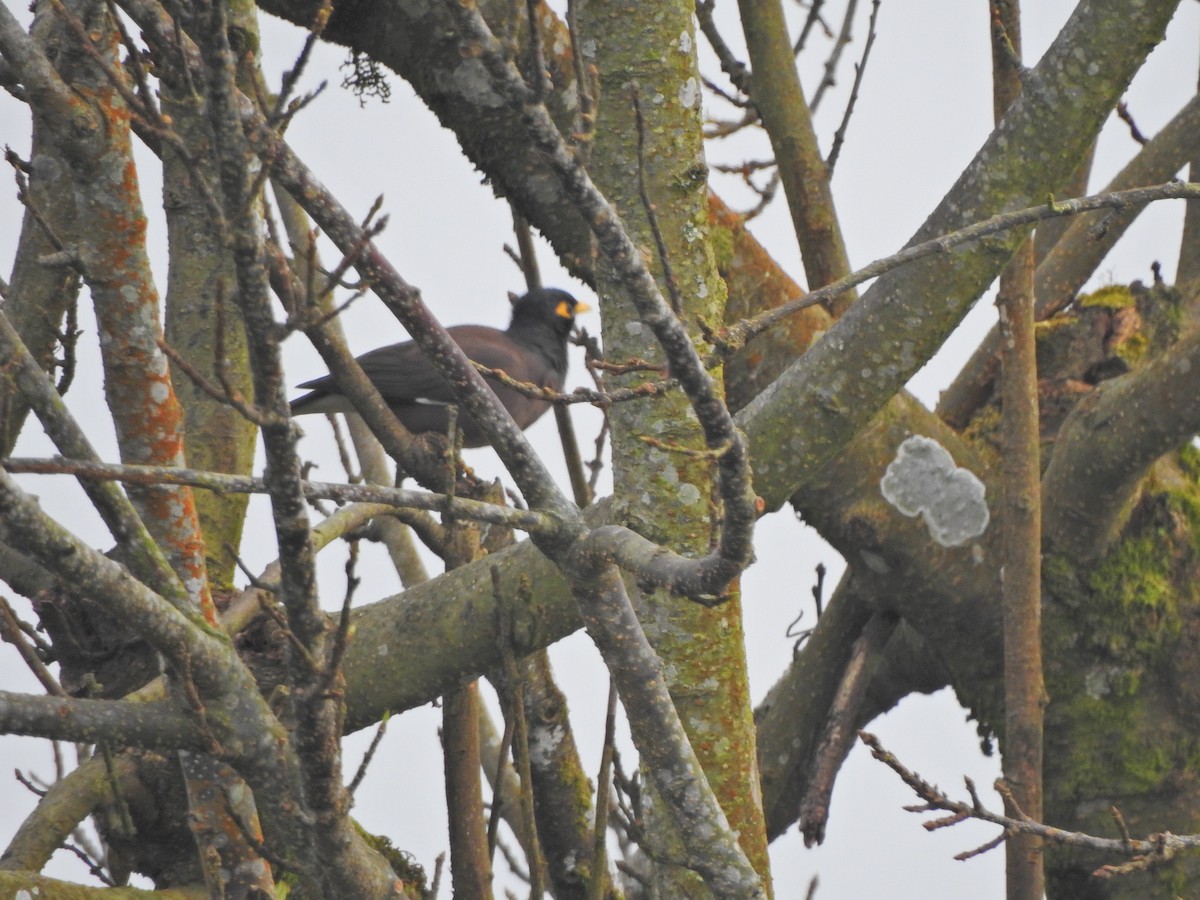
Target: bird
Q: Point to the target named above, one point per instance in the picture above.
(532, 349)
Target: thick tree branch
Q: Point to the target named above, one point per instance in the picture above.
(38, 296)
(16, 884)
(658, 734)
(775, 90)
(1021, 509)
(66, 803)
(43, 86)
(907, 314)
(160, 725)
(1085, 241)
(1111, 439)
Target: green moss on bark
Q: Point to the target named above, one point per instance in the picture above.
(1120, 641)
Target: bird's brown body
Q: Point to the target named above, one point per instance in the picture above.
(533, 349)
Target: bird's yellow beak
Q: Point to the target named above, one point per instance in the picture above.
(564, 310)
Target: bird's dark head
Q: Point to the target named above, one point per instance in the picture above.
(546, 306)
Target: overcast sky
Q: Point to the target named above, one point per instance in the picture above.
(924, 110)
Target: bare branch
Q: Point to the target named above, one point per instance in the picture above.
(658, 734)
(313, 490)
(1150, 851)
(736, 336)
(860, 69)
(845, 36)
(160, 725)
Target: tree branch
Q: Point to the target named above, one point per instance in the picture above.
(1089, 481)
(218, 482)
(1150, 851)
(737, 335)
(785, 113)
(1085, 241)
(158, 725)
(658, 734)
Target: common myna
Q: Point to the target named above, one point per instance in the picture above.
(533, 349)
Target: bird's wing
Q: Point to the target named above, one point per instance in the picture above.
(403, 374)
(396, 370)
(520, 361)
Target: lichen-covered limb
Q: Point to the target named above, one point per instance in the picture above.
(875, 348)
(160, 725)
(666, 754)
(1111, 440)
(1085, 240)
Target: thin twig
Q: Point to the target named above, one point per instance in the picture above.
(603, 785)
(813, 19)
(1127, 117)
(513, 697)
(221, 483)
(585, 120)
(601, 398)
(302, 652)
(333, 678)
(361, 772)
(736, 70)
(860, 70)
(292, 75)
(736, 336)
(835, 56)
(227, 393)
(12, 633)
(539, 80)
(1153, 850)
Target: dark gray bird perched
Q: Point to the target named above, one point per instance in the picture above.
(533, 349)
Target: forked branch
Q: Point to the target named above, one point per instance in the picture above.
(1142, 854)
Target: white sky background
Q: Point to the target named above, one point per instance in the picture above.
(924, 109)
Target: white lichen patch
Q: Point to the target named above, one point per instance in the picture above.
(689, 93)
(924, 481)
(544, 744)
